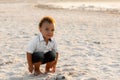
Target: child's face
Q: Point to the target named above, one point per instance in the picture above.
(47, 30)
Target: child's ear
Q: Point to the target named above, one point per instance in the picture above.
(40, 29)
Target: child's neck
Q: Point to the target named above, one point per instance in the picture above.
(46, 40)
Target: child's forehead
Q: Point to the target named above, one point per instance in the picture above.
(47, 24)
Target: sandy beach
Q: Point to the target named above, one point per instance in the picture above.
(88, 40)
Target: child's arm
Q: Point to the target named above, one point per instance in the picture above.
(56, 58)
(54, 64)
(29, 60)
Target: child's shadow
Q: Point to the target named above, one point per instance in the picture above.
(33, 77)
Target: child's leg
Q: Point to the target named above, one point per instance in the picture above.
(49, 66)
(51, 57)
(37, 68)
(37, 58)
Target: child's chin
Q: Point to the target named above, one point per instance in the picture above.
(49, 37)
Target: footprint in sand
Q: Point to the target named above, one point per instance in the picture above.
(90, 79)
(59, 77)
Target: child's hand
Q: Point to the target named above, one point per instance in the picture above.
(54, 66)
(30, 68)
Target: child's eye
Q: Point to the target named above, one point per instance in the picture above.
(53, 30)
(46, 29)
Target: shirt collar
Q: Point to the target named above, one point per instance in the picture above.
(41, 37)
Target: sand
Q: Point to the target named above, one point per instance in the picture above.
(88, 41)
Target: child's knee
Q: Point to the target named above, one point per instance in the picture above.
(37, 63)
(49, 65)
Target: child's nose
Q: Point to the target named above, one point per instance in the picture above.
(50, 32)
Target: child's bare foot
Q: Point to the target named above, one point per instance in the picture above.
(36, 73)
(50, 71)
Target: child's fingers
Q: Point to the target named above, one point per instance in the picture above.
(31, 69)
(53, 69)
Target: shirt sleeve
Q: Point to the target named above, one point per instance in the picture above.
(55, 46)
(31, 46)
